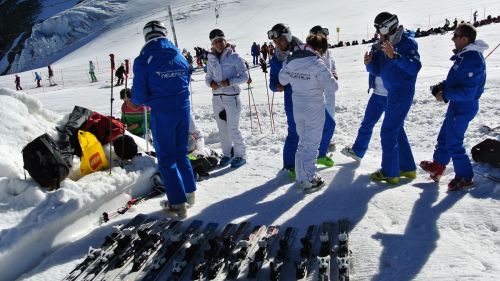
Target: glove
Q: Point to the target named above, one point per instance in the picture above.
(436, 88)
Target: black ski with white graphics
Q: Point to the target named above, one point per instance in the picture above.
(197, 243)
(110, 242)
(123, 246)
(163, 257)
(303, 264)
(244, 248)
(148, 239)
(342, 250)
(215, 245)
(260, 257)
(281, 258)
(325, 250)
(216, 265)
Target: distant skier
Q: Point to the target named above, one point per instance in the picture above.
(51, 76)
(92, 72)
(38, 79)
(264, 50)
(475, 16)
(18, 83)
(119, 73)
(255, 51)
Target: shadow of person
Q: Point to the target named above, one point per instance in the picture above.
(409, 252)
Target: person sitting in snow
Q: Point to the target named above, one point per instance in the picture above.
(462, 88)
(310, 79)
(133, 115)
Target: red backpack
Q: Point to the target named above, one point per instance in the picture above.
(99, 126)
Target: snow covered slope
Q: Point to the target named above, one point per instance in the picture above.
(413, 231)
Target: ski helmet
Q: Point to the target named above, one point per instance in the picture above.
(386, 23)
(280, 29)
(318, 29)
(154, 29)
(215, 34)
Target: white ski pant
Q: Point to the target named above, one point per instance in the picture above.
(229, 130)
(330, 104)
(309, 119)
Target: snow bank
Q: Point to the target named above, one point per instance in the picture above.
(33, 220)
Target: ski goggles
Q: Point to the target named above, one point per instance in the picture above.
(385, 27)
(274, 34)
(323, 31)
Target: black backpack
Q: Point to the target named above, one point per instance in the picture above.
(44, 162)
(487, 151)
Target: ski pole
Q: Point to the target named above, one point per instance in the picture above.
(492, 51)
(269, 105)
(250, 108)
(256, 112)
(112, 60)
(146, 130)
(126, 72)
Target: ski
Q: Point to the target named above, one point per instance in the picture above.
(487, 176)
(196, 244)
(228, 245)
(169, 250)
(214, 246)
(105, 216)
(109, 244)
(325, 251)
(239, 258)
(306, 252)
(281, 258)
(148, 239)
(123, 246)
(140, 259)
(342, 250)
(264, 244)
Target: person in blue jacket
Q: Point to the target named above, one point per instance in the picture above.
(462, 88)
(398, 63)
(285, 44)
(161, 81)
(255, 51)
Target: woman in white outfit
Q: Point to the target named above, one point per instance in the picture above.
(310, 78)
(226, 70)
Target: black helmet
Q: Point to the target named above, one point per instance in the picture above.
(386, 23)
(319, 29)
(216, 33)
(154, 29)
(280, 29)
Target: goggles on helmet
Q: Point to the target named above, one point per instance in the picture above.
(323, 31)
(385, 27)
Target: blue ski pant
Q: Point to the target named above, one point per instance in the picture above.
(374, 109)
(396, 151)
(255, 59)
(170, 128)
(450, 141)
(292, 138)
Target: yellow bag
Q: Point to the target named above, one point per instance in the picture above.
(93, 157)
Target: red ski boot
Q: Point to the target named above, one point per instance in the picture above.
(434, 169)
(459, 183)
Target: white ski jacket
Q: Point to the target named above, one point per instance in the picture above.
(228, 66)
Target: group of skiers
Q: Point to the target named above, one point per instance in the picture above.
(263, 52)
(38, 79)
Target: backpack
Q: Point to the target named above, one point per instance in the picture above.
(44, 162)
(68, 135)
(487, 151)
(99, 126)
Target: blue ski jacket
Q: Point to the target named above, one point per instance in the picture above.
(160, 72)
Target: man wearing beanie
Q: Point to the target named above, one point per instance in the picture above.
(161, 81)
(226, 70)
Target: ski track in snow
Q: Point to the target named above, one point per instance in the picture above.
(412, 231)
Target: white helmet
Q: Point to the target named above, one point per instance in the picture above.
(154, 29)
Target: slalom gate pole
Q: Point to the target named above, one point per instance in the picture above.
(112, 61)
(256, 112)
(127, 69)
(62, 78)
(492, 51)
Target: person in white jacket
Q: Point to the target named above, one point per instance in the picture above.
(310, 78)
(226, 70)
